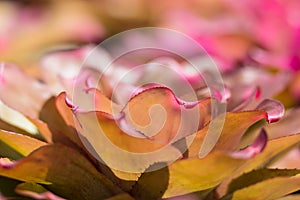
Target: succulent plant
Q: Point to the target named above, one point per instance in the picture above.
(62, 159)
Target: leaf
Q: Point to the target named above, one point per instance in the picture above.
(9, 127)
(159, 114)
(43, 129)
(123, 196)
(104, 139)
(153, 184)
(290, 160)
(273, 149)
(195, 174)
(20, 143)
(91, 99)
(257, 176)
(234, 127)
(255, 148)
(7, 188)
(12, 120)
(35, 191)
(288, 125)
(59, 119)
(52, 135)
(269, 189)
(21, 92)
(121, 137)
(8, 152)
(274, 108)
(64, 171)
(261, 78)
(290, 197)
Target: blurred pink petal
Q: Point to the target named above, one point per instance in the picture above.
(291, 160)
(62, 66)
(6, 163)
(274, 109)
(242, 96)
(288, 125)
(21, 92)
(254, 84)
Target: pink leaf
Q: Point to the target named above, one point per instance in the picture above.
(21, 92)
(255, 148)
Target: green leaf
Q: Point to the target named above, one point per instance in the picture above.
(29, 186)
(64, 171)
(7, 188)
(22, 144)
(35, 191)
(7, 152)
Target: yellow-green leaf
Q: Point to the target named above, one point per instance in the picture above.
(20, 143)
(195, 174)
(235, 126)
(270, 189)
(257, 176)
(274, 148)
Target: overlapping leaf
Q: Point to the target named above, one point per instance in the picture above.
(62, 174)
(21, 143)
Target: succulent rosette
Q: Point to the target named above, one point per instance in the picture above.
(62, 155)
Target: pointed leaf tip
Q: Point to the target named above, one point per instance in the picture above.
(274, 109)
(255, 148)
(70, 104)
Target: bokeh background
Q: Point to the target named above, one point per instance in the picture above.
(234, 33)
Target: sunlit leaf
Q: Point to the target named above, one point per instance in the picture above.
(106, 141)
(21, 143)
(258, 176)
(273, 149)
(195, 174)
(9, 127)
(92, 99)
(269, 189)
(158, 114)
(235, 126)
